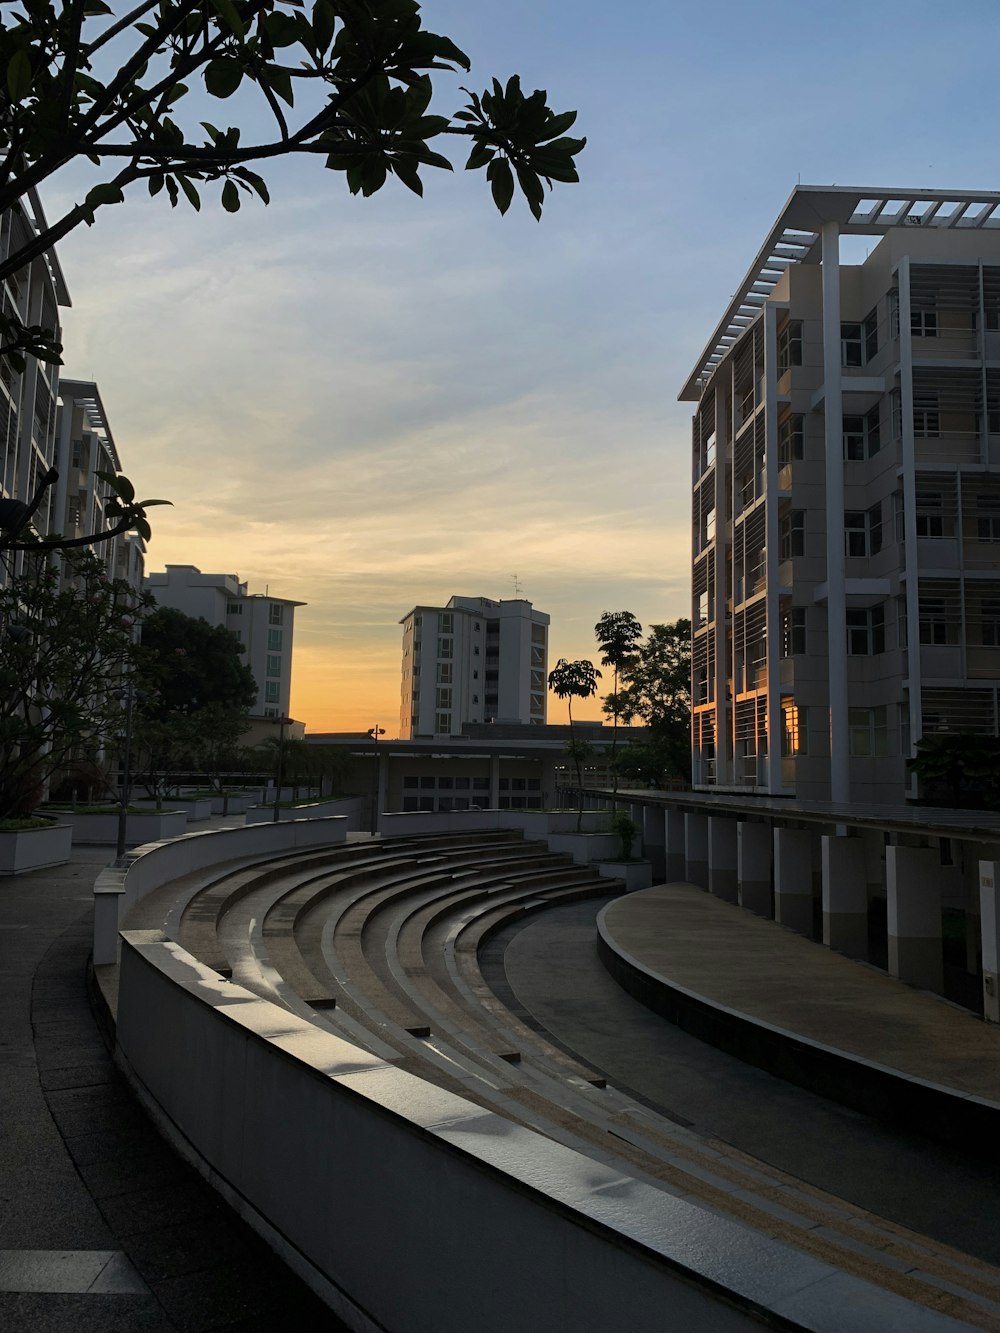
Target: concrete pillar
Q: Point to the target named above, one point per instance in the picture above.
(793, 879)
(753, 867)
(382, 799)
(845, 895)
(989, 913)
(696, 849)
(674, 851)
(494, 782)
(913, 889)
(722, 857)
(836, 603)
(654, 840)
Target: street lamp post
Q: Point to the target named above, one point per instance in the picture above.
(282, 724)
(375, 732)
(126, 773)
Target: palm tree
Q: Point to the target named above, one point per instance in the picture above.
(569, 681)
(618, 634)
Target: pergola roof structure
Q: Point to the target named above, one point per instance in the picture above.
(794, 239)
(88, 396)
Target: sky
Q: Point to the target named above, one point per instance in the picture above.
(368, 404)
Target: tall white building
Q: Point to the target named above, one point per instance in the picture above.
(473, 660)
(846, 519)
(264, 625)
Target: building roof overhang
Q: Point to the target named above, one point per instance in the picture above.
(795, 236)
(88, 396)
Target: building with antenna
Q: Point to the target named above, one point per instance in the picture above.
(846, 497)
(473, 660)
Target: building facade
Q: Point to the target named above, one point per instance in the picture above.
(264, 625)
(846, 497)
(473, 660)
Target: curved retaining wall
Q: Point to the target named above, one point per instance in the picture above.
(412, 1210)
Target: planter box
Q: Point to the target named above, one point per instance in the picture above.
(34, 848)
(636, 874)
(264, 814)
(235, 805)
(199, 808)
(102, 830)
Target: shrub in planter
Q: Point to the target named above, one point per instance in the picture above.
(624, 827)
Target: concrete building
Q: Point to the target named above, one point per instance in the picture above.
(84, 446)
(846, 506)
(264, 625)
(473, 660)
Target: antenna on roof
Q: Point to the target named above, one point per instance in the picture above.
(518, 587)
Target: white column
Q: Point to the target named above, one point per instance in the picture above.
(836, 603)
(723, 539)
(774, 782)
(989, 914)
(696, 849)
(908, 456)
(845, 895)
(753, 867)
(793, 879)
(722, 857)
(674, 869)
(654, 841)
(913, 891)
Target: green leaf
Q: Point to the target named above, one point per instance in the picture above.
(223, 76)
(406, 170)
(227, 11)
(104, 194)
(155, 183)
(501, 180)
(187, 186)
(254, 181)
(19, 76)
(481, 156)
(559, 124)
(280, 80)
(532, 189)
(230, 197)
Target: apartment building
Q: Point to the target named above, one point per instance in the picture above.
(85, 446)
(472, 660)
(264, 625)
(846, 496)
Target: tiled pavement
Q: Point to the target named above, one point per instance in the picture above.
(102, 1225)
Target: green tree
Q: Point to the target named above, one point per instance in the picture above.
(618, 635)
(65, 642)
(658, 691)
(960, 769)
(569, 681)
(193, 692)
(346, 81)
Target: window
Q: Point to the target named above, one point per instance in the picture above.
(896, 401)
(275, 614)
(442, 725)
(868, 732)
(863, 531)
(865, 630)
(930, 514)
(444, 670)
(862, 436)
(443, 698)
(234, 608)
(475, 675)
(789, 345)
(275, 640)
(926, 422)
(793, 631)
(409, 780)
(475, 626)
(791, 534)
(924, 322)
(270, 691)
(933, 620)
(870, 331)
(989, 622)
(789, 440)
(475, 651)
(446, 623)
(851, 346)
(794, 730)
(445, 647)
(701, 611)
(894, 313)
(475, 698)
(273, 665)
(901, 626)
(988, 520)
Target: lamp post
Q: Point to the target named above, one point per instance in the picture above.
(282, 724)
(126, 774)
(375, 732)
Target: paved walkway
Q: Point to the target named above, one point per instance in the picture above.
(102, 1226)
(773, 976)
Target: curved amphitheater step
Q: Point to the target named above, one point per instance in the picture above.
(378, 942)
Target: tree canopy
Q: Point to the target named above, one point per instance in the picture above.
(657, 690)
(191, 665)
